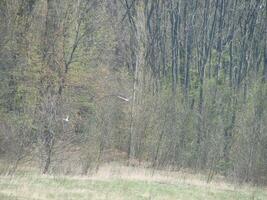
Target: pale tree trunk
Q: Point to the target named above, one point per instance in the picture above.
(139, 37)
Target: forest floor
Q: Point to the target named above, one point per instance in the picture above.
(117, 183)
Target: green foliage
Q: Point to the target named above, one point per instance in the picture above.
(60, 59)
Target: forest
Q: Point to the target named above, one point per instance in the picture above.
(158, 84)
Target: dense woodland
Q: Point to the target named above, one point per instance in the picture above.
(165, 84)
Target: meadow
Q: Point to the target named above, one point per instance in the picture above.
(119, 182)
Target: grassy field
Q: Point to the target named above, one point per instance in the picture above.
(123, 183)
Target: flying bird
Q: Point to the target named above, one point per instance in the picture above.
(123, 98)
(67, 119)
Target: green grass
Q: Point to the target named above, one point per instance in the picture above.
(33, 187)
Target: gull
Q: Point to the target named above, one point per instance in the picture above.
(123, 98)
(67, 119)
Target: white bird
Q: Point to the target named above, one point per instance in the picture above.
(67, 119)
(123, 98)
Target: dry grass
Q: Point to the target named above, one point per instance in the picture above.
(117, 171)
